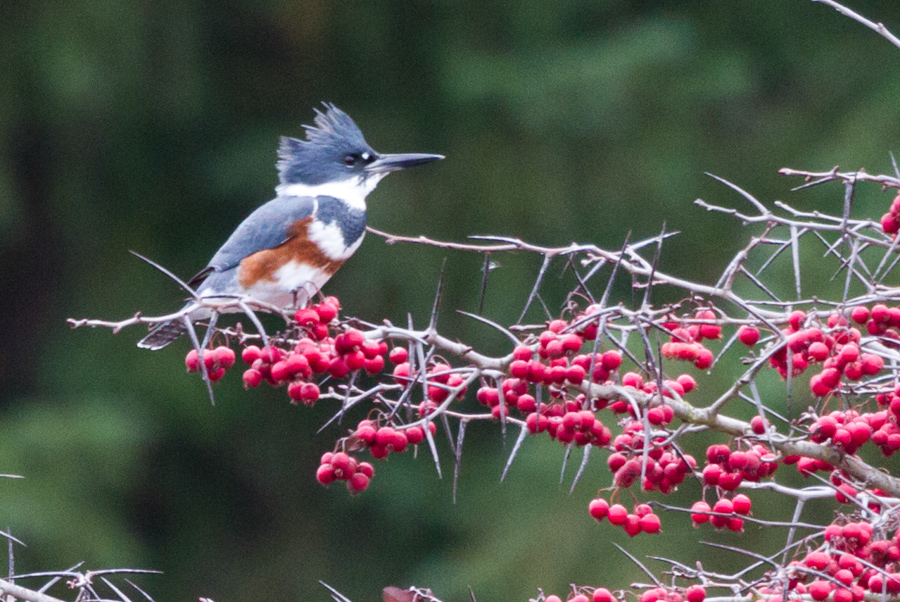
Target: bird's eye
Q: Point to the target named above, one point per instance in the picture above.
(350, 160)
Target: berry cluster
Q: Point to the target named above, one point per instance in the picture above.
(641, 520)
(881, 321)
(836, 347)
(664, 469)
(686, 341)
(727, 469)
(318, 346)
(661, 414)
(319, 351)
(381, 441)
(442, 381)
(567, 423)
(725, 513)
(217, 361)
(555, 363)
(848, 430)
(695, 593)
(851, 564)
(340, 466)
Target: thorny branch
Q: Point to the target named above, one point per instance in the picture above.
(748, 293)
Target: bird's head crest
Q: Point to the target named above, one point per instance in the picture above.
(318, 158)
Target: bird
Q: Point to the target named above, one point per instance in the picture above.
(287, 249)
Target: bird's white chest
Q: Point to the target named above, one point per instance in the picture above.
(329, 238)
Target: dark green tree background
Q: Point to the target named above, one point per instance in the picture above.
(152, 126)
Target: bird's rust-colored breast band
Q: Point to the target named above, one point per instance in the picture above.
(262, 265)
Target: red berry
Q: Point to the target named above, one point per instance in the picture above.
(818, 351)
(687, 382)
(354, 359)
(758, 424)
(373, 365)
(817, 560)
(844, 576)
(358, 483)
(718, 453)
(843, 594)
(557, 326)
(575, 374)
(279, 371)
(398, 355)
(741, 504)
(650, 523)
(338, 368)
(365, 432)
(522, 352)
(252, 378)
(704, 359)
(225, 356)
(307, 317)
(192, 361)
(572, 343)
(632, 525)
(598, 508)
(698, 513)
(325, 474)
(415, 435)
(309, 393)
(795, 319)
(819, 589)
(724, 506)
(250, 354)
(655, 416)
(871, 364)
(601, 594)
(519, 368)
(860, 314)
(711, 474)
(643, 509)
(617, 514)
(612, 360)
(341, 463)
(294, 390)
(327, 311)
(748, 335)
(695, 593)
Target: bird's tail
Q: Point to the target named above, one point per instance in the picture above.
(162, 335)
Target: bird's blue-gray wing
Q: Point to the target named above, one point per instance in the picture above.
(266, 228)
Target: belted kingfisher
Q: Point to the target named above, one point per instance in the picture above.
(288, 248)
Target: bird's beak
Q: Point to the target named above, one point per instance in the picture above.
(389, 163)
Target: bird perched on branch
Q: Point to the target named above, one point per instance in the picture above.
(288, 248)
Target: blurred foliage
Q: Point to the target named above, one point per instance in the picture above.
(152, 126)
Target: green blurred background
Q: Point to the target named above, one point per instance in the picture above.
(152, 126)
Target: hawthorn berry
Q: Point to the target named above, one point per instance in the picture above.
(700, 513)
(617, 514)
(695, 593)
(650, 523)
(741, 504)
(748, 335)
(601, 594)
(598, 508)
